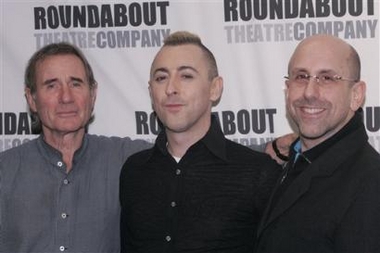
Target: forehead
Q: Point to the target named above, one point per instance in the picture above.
(321, 55)
(182, 55)
(55, 65)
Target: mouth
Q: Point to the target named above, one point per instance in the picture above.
(67, 114)
(173, 107)
(311, 110)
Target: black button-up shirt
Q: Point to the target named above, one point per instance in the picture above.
(210, 201)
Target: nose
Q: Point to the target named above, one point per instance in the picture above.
(66, 95)
(316, 78)
(312, 87)
(172, 86)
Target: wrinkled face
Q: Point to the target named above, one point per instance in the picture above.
(63, 99)
(180, 89)
(320, 110)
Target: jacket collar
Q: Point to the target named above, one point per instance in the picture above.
(323, 164)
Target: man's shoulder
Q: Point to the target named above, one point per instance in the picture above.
(236, 149)
(369, 159)
(105, 140)
(12, 159)
(135, 161)
(16, 152)
(140, 157)
(125, 143)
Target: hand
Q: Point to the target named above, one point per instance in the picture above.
(283, 143)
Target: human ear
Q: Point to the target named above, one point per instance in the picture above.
(94, 92)
(30, 99)
(358, 92)
(216, 89)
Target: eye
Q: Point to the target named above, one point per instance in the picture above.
(160, 78)
(76, 84)
(186, 76)
(50, 86)
(301, 77)
(327, 78)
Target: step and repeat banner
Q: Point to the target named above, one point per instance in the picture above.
(251, 39)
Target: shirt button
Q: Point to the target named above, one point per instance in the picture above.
(59, 164)
(64, 215)
(65, 181)
(62, 248)
(178, 171)
(173, 204)
(168, 238)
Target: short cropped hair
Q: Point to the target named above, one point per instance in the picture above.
(187, 38)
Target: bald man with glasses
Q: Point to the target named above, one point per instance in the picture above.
(328, 197)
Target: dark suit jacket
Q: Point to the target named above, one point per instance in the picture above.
(332, 206)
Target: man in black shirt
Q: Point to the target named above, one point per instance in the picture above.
(195, 190)
(328, 197)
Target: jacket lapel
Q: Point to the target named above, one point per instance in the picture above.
(295, 190)
(324, 166)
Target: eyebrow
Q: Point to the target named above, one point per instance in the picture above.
(72, 78)
(49, 81)
(187, 67)
(180, 68)
(321, 71)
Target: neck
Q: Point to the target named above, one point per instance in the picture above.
(66, 144)
(179, 143)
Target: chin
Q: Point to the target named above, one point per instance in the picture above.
(176, 128)
(72, 128)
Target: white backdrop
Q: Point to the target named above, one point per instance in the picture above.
(251, 39)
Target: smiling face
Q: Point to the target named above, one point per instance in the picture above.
(181, 90)
(319, 110)
(63, 99)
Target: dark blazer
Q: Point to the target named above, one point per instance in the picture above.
(332, 206)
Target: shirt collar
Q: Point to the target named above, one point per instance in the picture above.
(214, 140)
(54, 156)
(354, 123)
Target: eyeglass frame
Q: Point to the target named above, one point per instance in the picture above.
(334, 79)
